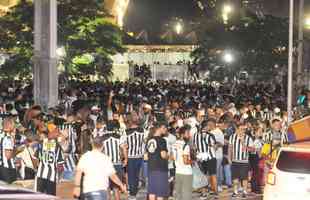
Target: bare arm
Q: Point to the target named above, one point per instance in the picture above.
(77, 182)
(118, 182)
(164, 155)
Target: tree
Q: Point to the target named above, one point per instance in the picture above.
(258, 43)
(83, 28)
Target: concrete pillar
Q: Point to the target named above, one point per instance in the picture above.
(45, 60)
(300, 44)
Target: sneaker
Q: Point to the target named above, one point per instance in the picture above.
(219, 189)
(234, 195)
(214, 193)
(132, 198)
(203, 196)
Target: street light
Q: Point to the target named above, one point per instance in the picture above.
(228, 58)
(227, 9)
(178, 28)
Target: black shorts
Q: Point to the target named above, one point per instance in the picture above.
(208, 167)
(171, 173)
(240, 171)
(8, 175)
(120, 173)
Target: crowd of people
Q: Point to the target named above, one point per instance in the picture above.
(123, 136)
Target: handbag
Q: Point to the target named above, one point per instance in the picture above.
(199, 179)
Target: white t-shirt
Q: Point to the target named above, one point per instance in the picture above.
(179, 150)
(170, 140)
(97, 168)
(219, 137)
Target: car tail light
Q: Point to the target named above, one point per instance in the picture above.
(271, 178)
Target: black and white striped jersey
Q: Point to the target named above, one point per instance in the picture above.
(50, 155)
(204, 143)
(135, 142)
(4, 114)
(7, 143)
(240, 152)
(269, 136)
(112, 147)
(70, 151)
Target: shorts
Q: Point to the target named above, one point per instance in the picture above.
(208, 167)
(158, 183)
(172, 173)
(120, 173)
(240, 171)
(8, 175)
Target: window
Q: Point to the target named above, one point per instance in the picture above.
(295, 162)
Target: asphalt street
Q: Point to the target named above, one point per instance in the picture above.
(225, 195)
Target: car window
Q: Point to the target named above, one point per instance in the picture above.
(296, 162)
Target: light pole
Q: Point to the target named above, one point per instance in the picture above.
(45, 58)
(300, 42)
(290, 63)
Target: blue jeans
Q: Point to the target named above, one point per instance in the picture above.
(97, 195)
(134, 166)
(144, 170)
(68, 175)
(227, 175)
(219, 171)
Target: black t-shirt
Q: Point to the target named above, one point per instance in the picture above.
(154, 146)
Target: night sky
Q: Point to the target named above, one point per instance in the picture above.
(151, 15)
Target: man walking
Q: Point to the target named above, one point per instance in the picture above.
(240, 144)
(114, 147)
(134, 145)
(96, 169)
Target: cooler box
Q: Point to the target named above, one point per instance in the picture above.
(299, 130)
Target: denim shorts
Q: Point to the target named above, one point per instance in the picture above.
(97, 195)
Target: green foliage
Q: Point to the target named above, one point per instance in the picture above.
(82, 29)
(258, 44)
